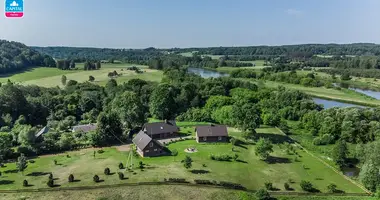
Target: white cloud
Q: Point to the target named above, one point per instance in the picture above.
(14, 3)
(294, 12)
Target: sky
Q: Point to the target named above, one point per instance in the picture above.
(192, 23)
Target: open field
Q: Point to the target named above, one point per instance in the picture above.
(249, 170)
(51, 77)
(162, 192)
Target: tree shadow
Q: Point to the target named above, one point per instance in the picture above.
(111, 173)
(275, 189)
(241, 161)
(76, 180)
(199, 171)
(339, 191)
(319, 179)
(150, 167)
(55, 179)
(37, 174)
(11, 171)
(275, 138)
(29, 185)
(274, 160)
(240, 145)
(99, 181)
(124, 178)
(6, 182)
(56, 185)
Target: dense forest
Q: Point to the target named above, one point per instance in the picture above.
(302, 50)
(15, 56)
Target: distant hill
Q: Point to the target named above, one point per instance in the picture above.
(15, 56)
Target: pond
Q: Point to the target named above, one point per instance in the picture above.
(351, 171)
(331, 103)
(206, 73)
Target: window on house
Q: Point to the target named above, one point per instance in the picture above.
(162, 127)
(146, 151)
(204, 138)
(151, 144)
(219, 138)
(155, 149)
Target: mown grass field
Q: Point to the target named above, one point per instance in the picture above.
(249, 170)
(51, 77)
(163, 192)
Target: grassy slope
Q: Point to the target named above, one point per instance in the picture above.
(51, 77)
(252, 173)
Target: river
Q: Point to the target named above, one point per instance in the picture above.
(206, 73)
(331, 103)
(370, 93)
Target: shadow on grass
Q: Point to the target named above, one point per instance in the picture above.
(124, 178)
(38, 174)
(29, 185)
(240, 145)
(76, 180)
(242, 161)
(339, 191)
(11, 171)
(275, 138)
(56, 185)
(274, 160)
(112, 173)
(6, 182)
(55, 179)
(99, 181)
(319, 179)
(150, 167)
(199, 171)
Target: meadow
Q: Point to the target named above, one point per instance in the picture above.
(51, 77)
(248, 170)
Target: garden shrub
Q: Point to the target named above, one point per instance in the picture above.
(107, 171)
(231, 185)
(71, 178)
(177, 180)
(262, 194)
(223, 157)
(204, 182)
(51, 176)
(25, 183)
(121, 166)
(332, 188)
(100, 151)
(268, 185)
(121, 175)
(96, 178)
(287, 186)
(174, 152)
(307, 186)
(50, 183)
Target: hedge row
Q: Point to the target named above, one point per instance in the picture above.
(221, 183)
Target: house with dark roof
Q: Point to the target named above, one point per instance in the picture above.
(44, 130)
(161, 130)
(211, 133)
(84, 128)
(146, 146)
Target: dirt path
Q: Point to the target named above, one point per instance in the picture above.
(328, 165)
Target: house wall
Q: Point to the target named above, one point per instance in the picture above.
(164, 135)
(212, 139)
(151, 151)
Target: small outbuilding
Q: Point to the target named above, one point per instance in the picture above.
(211, 133)
(84, 128)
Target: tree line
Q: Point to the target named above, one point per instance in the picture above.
(15, 56)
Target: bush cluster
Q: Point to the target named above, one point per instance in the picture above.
(223, 157)
(25, 183)
(269, 185)
(96, 178)
(107, 171)
(176, 180)
(71, 178)
(50, 182)
(232, 185)
(121, 175)
(121, 166)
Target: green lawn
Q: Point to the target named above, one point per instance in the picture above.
(51, 77)
(250, 171)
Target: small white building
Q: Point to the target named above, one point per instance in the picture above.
(84, 128)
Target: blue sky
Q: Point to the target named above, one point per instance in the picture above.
(192, 23)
